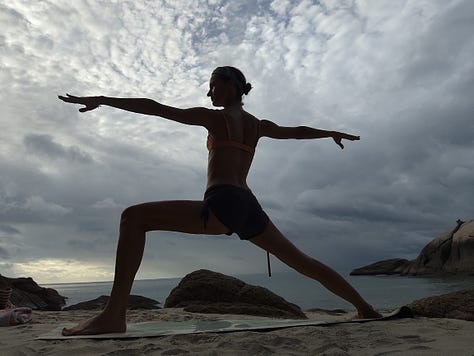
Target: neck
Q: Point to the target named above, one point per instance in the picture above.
(233, 106)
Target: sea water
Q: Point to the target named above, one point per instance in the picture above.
(383, 292)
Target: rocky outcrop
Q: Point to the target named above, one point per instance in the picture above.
(455, 305)
(392, 266)
(134, 302)
(206, 291)
(450, 253)
(27, 293)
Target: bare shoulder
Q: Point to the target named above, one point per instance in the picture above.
(266, 128)
(193, 116)
(200, 112)
(255, 120)
(270, 129)
(267, 125)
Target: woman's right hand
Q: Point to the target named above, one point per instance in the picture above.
(338, 136)
(90, 102)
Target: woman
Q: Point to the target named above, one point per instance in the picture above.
(228, 205)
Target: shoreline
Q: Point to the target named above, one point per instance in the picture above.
(383, 292)
(417, 336)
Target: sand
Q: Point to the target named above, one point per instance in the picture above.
(418, 336)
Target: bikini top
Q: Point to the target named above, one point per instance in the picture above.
(212, 143)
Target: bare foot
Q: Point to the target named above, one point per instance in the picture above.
(367, 314)
(99, 324)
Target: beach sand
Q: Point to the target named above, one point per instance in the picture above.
(418, 336)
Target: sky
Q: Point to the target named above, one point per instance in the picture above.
(398, 73)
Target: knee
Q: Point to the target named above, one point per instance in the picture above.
(131, 216)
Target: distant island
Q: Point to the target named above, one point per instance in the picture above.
(452, 252)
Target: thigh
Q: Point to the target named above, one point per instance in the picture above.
(273, 241)
(176, 215)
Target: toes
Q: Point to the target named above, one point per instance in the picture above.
(67, 332)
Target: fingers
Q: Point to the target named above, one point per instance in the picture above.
(75, 100)
(87, 108)
(350, 137)
(338, 141)
(68, 98)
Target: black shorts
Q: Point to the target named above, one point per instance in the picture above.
(237, 209)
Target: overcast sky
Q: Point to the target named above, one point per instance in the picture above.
(398, 73)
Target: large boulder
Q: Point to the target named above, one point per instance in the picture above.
(206, 291)
(27, 293)
(452, 252)
(391, 266)
(455, 305)
(134, 302)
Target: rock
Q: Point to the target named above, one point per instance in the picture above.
(450, 253)
(134, 302)
(392, 266)
(27, 293)
(206, 291)
(455, 305)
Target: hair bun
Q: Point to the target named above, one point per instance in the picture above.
(247, 88)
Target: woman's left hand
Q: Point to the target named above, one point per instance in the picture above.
(338, 136)
(90, 102)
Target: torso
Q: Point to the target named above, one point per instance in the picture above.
(229, 164)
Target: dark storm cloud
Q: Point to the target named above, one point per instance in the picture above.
(399, 74)
(8, 230)
(4, 253)
(45, 145)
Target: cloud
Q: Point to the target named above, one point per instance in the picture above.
(6, 229)
(44, 145)
(37, 204)
(53, 270)
(107, 203)
(399, 74)
(4, 253)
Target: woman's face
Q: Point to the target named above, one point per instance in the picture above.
(221, 92)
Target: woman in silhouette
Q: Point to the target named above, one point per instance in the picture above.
(228, 205)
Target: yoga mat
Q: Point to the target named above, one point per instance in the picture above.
(162, 328)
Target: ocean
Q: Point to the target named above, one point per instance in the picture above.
(383, 292)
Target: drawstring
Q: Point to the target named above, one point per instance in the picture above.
(268, 265)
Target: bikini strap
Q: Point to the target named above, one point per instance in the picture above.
(233, 144)
(226, 125)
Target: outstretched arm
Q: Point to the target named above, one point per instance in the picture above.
(272, 130)
(192, 116)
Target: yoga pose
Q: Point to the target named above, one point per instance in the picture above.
(228, 205)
